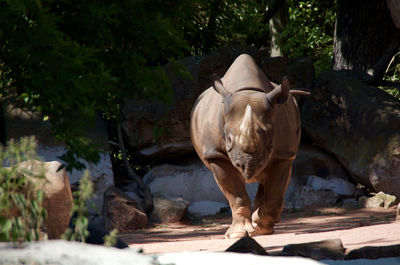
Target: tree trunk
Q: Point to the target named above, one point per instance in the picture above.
(364, 36)
(276, 25)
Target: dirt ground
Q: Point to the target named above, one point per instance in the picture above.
(356, 228)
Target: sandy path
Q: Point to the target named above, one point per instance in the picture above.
(356, 228)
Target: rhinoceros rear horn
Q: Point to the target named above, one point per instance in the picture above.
(281, 93)
(219, 87)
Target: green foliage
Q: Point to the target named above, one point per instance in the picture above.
(72, 59)
(79, 211)
(309, 32)
(392, 74)
(21, 196)
(111, 239)
(208, 25)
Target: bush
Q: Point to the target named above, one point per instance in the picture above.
(21, 212)
(79, 212)
(309, 32)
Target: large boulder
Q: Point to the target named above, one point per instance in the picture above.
(160, 131)
(193, 182)
(359, 125)
(57, 195)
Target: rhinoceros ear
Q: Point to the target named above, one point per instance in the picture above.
(219, 87)
(281, 93)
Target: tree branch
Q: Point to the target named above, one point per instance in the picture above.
(380, 67)
(390, 84)
(144, 189)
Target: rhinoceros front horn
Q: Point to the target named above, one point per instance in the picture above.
(246, 131)
(279, 94)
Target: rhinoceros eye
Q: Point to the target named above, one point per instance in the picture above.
(229, 142)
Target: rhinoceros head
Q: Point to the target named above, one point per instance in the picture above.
(248, 126)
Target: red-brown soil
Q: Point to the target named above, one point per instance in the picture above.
(356, 228)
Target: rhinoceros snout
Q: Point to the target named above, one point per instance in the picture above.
(240, 166)
(246, 171)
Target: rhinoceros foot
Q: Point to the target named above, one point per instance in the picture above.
(262, 225)
(239, 229)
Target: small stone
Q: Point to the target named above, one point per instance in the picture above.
(350, 204)
(379, 200)
(122, 212)
(168, 209)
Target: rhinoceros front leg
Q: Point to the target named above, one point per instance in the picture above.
(233, 187)
(269, 200)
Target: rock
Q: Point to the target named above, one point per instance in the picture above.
(62, 252)
(158, 131)
(359, 125)
(379, 200)
(364, 202)
(57, 195)
(306, 196)
(374, 252)
(168, 209)
(247, 245)
(203, 208)
(193, 182)
(326, 249)
(339, 186)
(350, 204)
(122, 212)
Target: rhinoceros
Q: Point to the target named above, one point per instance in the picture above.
(246, 129)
